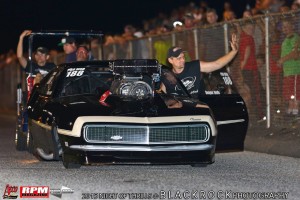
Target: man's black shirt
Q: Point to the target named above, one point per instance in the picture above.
(190, 77)
(39, 69)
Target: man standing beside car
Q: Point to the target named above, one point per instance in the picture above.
(40, 67)
(190, 72)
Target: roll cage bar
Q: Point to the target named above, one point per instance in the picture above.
(98, 34)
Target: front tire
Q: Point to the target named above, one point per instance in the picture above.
(57, 149)
(70, 161)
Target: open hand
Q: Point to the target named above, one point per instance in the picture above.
(26, 33)
(234, 42)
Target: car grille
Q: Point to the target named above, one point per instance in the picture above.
(135, 134)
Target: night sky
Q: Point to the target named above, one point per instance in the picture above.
(108, 16)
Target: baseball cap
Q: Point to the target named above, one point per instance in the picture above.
(42, 50)
(188, 16)
(175, 52)
(65, 40)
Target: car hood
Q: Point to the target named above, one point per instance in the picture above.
(65, 110)
(89, 105)
(68, 109)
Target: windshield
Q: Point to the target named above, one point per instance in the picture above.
(86, 80)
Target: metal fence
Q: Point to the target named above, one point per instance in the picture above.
(262, 88)
(10, 76)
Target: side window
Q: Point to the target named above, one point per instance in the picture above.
(46, 86)
(218, 82)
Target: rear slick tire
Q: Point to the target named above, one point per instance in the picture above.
(21, 139)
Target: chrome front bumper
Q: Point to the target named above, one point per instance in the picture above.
(195, 147)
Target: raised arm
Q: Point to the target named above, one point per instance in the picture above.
(224, 60)
(21, 58)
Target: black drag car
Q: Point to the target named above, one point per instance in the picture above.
(112, 112)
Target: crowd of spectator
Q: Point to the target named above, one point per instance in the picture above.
(186, 17)
(195, 15)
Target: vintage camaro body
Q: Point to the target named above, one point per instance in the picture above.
(112, 112)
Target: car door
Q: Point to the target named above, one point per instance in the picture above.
(40, 120)
(229, 109)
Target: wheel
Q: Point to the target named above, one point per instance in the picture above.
(21, 138)
(30, 143)
(70, 162)
(21, 127)
(40, 154)
(57, 149)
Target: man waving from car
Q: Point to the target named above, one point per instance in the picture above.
(189, 73)
(40, 67)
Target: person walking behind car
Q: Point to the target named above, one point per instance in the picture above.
(190, 72)
(70, 48)
(82, 53)
(40, 66)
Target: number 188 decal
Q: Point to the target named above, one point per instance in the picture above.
(75, 72)
(226, 78)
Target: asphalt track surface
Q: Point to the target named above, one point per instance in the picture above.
(236, 175)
